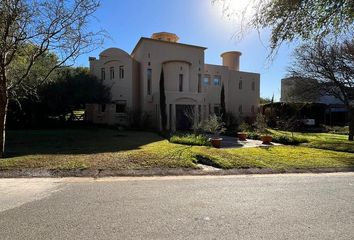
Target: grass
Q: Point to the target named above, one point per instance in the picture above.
(92, 148)
(278, 157)
(190, 139)
(117, 150)
(328, 141)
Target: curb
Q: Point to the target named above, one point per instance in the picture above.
(97, 173)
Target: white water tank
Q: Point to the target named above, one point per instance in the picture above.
(165, 36)
(231, 60)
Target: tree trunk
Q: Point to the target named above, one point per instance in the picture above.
(351, 124)
(3, 109)
(3, 112)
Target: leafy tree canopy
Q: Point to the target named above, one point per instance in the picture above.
(37, 75)
(289, 20)
(74, 88)
(305, 19)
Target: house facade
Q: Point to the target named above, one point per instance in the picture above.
(189, 83)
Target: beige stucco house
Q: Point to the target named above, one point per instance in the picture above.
(190, 83)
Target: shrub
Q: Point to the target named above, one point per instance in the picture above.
(261, 124)
(253, 135)
(286, 140)
(245, 127)
(337, 129)
(214, 125)
(190, 139)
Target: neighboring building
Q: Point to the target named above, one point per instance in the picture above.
(295, 90)
(189, 83)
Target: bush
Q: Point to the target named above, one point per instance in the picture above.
(337, 129)
(190, 139)
(214, 125)
(253, 135)
(245, 127)
(286, 140)
(261, 124)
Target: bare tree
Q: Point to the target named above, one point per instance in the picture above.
(58, 26)
(194, 119)
(333, 67)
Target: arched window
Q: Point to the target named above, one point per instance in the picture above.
(253, 86)
(111, 73)
(121, 72)
(240, 84)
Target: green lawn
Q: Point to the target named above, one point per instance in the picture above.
(112, 149)
(336, 142)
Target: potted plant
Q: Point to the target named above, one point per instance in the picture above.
(261, 126)
(242, 135)
(214, 125)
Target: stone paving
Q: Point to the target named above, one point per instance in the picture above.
(232, 142)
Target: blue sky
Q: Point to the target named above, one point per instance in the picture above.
(197, 22)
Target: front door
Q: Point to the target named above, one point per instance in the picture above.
(183, 119)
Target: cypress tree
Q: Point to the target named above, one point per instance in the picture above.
(163, 102)
(222, 103)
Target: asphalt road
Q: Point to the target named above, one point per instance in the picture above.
(291, 206)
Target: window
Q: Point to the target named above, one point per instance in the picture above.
(120, 106)
(180, 83)
(103, 74)
(121, 72)
(240, 109)
(103, 107)
(199, 83)
(206, 79)
(217, 80)
(111, 73)
(253, 86)
(149, 76)
(240, 84)
(252, 109)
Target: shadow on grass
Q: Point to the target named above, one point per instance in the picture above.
(75, 141)
(340, 146)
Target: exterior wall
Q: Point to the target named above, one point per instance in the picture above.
(176, 60)
(109, 116)
(121, 87)
(246, 98)
(213, 91)
(292, 87)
